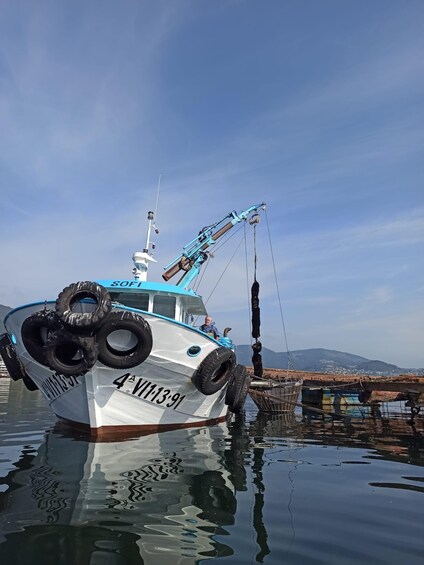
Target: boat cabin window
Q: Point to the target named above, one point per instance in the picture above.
(188, 318)
(164, 305)
(139, 300)
(161, 304)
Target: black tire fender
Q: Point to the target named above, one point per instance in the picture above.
(237, 389)
(35, 333)
(141, 336)
(13, 364)
(214, 371)
(69, 354)
(11, 360)
(74, 294)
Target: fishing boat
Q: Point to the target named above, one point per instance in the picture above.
(124, 354)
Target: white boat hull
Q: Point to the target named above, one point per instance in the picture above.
(157, 394)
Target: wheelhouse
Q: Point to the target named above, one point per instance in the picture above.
(157, 298)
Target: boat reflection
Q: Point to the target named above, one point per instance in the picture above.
(153, 499)
(243, 488)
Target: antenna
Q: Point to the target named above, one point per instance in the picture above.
(157, 194)
(152, 222)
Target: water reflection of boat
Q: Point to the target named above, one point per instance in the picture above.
(149, 500)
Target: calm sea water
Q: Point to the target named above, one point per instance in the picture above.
(258, 489)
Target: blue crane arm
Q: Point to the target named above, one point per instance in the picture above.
(194, 253)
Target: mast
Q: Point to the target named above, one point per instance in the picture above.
(143, 258)
(194, 253)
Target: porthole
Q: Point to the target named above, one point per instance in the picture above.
(194, 350)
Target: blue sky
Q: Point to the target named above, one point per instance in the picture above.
(314, 106)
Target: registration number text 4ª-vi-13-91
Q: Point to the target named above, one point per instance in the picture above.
(150, 391)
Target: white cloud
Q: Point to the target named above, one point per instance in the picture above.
(93, 109)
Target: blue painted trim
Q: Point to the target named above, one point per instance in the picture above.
(26, 306)
(123, 285)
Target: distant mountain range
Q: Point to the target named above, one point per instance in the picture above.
(313, 360)
(322, 361)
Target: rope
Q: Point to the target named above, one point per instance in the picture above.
(201, 276)
(255, 258)
(289, 357)
(223, 272)
(207, 264)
